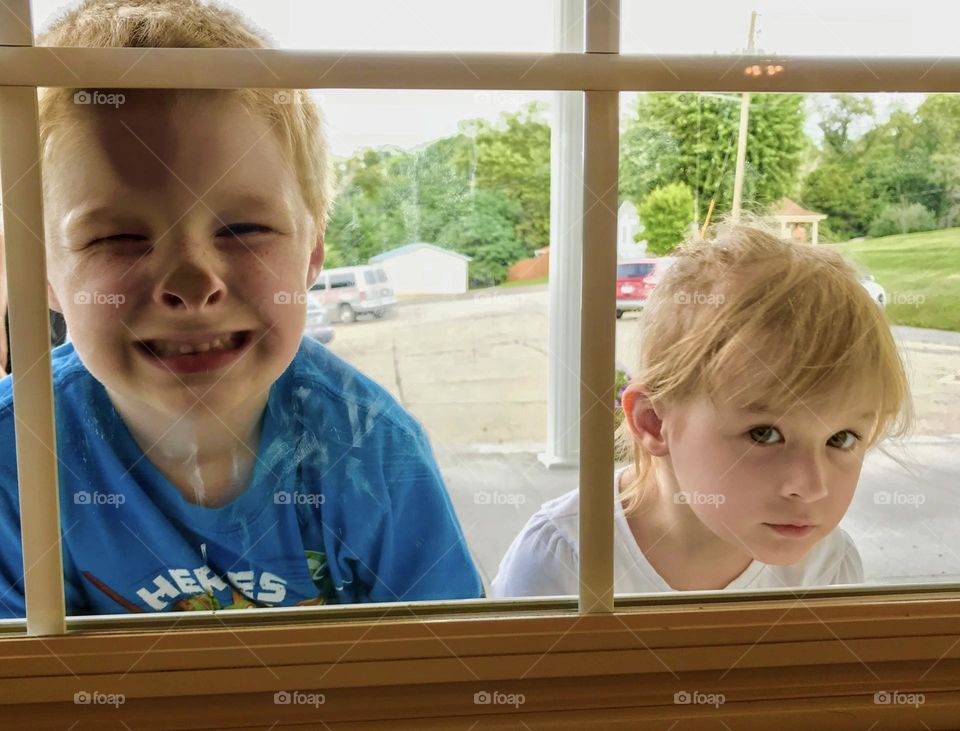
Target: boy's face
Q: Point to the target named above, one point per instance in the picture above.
(744, 472)
(200, 230)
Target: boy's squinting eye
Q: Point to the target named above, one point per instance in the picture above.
(239, 229)
(118, 238)
(771, 435)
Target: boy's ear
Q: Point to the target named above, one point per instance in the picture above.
(316, 261)
(643, 421)
(52, 299)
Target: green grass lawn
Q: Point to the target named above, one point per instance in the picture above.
(525, 282)
(921, 273)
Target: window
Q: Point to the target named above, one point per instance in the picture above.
(634, 270)
(782, 636)
(338, 281)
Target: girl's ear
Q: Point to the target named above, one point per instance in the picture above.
(643, 421)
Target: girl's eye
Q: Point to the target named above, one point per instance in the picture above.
(239, 229)
(848, 439)
(765, 434)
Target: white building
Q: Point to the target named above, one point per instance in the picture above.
(628, 225)
(424, 269)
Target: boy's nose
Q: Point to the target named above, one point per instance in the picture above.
(191, 287)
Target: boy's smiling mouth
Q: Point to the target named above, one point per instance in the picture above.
(195, 353)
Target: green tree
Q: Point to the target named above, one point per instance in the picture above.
(940, 115)
(839, 188)
(692, 138)
(512, 157)
(484, 192)
(902, 218)
(486, 231)
(890, 166)
(666, 215)
(842, 112)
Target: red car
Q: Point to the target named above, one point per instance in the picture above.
(636, 279)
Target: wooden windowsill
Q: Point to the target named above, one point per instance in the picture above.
(793, 662)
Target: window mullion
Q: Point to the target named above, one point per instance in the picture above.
(598, 324)
(30, 342)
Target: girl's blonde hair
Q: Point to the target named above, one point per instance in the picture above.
(194, 24)
(789, 322)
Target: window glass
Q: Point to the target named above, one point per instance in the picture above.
(634, 270)
(849, 28)
(338, 281)
(868, 178)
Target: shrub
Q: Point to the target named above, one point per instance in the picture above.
(666, 215)
(902, 218)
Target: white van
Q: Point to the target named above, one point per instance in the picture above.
(350, 291)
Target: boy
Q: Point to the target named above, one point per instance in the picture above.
(210, 456)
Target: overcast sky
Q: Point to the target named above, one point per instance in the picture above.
(361, 118)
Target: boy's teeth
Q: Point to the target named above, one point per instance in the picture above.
(167, 348)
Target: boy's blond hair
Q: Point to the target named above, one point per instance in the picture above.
(194, 24)
(768, 321)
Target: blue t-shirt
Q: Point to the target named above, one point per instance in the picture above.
(345, 504)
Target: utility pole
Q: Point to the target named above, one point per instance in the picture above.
(742, 134)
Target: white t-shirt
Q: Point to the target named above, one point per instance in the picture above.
(543, 558)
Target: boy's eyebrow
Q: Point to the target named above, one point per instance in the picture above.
(106, 212)
(88, 215)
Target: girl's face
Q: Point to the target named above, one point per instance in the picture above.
(744, 471)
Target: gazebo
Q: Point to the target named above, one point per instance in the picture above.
(792, 217)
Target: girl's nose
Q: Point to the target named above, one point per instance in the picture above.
(806, 478)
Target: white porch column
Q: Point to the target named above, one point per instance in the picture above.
(566, 236)
(816, 231)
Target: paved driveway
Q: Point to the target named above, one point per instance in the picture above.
(473, 369)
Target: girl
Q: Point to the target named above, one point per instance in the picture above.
(765, 374)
